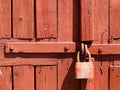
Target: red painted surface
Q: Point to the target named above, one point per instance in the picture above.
(39, 40)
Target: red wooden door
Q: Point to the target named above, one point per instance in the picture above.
(39, 40)
(37, 49)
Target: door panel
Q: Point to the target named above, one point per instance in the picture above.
(65, 20)
(46, 11)
(115, 20)
(5, 78)
(101, 21)
(23, 18)
(5, 18)
(46, 78)
(23, 77)
(115, 78)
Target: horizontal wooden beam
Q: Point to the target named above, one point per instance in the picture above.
(104, 49)
(40, 47)
(32, 62)
(59, 47)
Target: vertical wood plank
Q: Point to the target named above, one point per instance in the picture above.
(5, 78)
(46, 78)
(114, 77)
(5, 18)
(87, 20)
(76, 20)
(66, 75)
(46, 18)
(115, 21)
(65, 20)
(101, 73)
(23, 18)
(101, 28)
(23, 77)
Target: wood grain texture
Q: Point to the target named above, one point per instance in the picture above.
(46, 78)
(87, 28)
(114, 21)
(38, 47)
(46, 18)
(114, 77)
(66, 75)
(101, 21)
(5, 78)
(28, 61)
(23, 77)
(5, 18)
(101, 73)
(65, 20)
(23, 18)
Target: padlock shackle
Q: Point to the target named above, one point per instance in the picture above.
(87, 52)
(78, 56)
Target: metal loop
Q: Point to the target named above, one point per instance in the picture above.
(88, 53)
(78, 56)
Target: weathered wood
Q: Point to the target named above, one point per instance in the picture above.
(66, 75)
(87, 29)
(46, 18)
(114, 77)
(114, 21)
(5, 18)
(34, 47)
(23, 18)
(76, 20)
(59, 47)
(105, 49)
(65, 20)
(87, 84)
(5, 78)
(46, 78)
(23, 77)
(101, 22)
(30, 61)
(101, 73)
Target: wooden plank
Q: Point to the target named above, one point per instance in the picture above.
(46, 78)
(23, 18)
(76, 20)
(65, 20)
(87, 84)
(114, 77)
(5, 78)
(101, 21)
(101, 73)
(66, 74)
(105, 49)
(33, 47)
(59, 47)
(30, 61)
(46, 18)
(114, 21)
(87, 30)
(23, 77)
(5, 18)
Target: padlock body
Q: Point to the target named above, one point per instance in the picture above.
(84, 70)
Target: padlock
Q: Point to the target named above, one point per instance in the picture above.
(84, 70)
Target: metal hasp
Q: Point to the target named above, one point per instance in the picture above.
(86, 20)
(84, 69)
